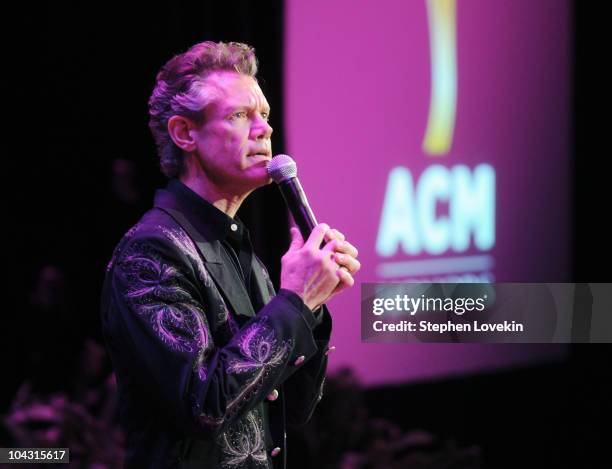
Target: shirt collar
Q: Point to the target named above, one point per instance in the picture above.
(205, 215)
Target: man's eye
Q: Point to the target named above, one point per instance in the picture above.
(265, 116)
(239, 115)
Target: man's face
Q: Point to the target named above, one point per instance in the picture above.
(233, 144)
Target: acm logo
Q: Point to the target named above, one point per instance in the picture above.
(409, 222)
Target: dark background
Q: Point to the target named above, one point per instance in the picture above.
(81, 167)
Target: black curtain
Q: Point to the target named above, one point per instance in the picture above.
(87, 167)
(591, 175)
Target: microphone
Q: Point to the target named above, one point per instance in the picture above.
(283, 170)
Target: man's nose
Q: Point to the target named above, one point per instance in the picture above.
(262, 129)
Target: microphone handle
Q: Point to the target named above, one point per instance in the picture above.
(296, 200)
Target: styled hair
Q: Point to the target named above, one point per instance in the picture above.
(180, 90)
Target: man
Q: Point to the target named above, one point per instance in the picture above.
(211, 364)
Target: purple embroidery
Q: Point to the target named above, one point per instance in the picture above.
(244, 441)
(223, 313)
(155, 294)
(259, 354)
(225, 318)
(259, 349)
(186, 245)
(151, 275)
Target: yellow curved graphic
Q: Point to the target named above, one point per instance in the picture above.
(442, 16)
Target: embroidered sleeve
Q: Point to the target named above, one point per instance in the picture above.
(165, 349)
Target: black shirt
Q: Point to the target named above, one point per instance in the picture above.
(232, 233)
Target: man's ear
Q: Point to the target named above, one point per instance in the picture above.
(179, 128)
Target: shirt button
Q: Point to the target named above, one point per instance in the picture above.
(234, 227)
(275, 451)
(299, 360)
(273, 395)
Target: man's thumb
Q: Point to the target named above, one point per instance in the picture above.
(296, 239)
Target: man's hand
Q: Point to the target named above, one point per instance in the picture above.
(345, 255)
(316, 274)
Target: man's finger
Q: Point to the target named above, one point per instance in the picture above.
(345, 261)
(334, 234)
(296, 239)
(316, 237)
(333, 246)
(346, 279)
(342, 246)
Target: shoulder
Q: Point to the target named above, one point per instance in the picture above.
(156, 234)
(158, 238)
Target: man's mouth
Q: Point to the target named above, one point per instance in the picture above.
(266, 155)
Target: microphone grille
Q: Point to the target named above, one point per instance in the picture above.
(281, 168)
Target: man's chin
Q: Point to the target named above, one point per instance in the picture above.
(258, 177)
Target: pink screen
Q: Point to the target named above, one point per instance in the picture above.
(435, 135)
